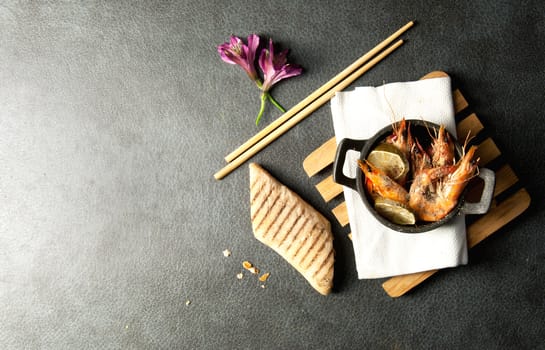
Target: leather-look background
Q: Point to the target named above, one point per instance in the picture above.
(114, 116)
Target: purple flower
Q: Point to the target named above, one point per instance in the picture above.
(275, 67)
(236, 52)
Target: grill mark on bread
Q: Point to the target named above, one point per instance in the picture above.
(302, 244)
(314, 250)
(326, 276)
(256, 180)
(264, 205)
(291, 233)
(297, 231)
(253, 182)
(325, 261)
(310, 245)
(284, 215)
(255, 195)
(268, 210)
(316, 254)
(272, 221)
(299, 238)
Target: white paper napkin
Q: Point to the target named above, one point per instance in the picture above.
(359, 114)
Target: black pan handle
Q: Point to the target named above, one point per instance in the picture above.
(342, 148)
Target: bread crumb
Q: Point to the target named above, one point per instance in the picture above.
(264, 276)
(187, 302)
(253, 270)
(263, 286)
(250, 267)
(226, 253)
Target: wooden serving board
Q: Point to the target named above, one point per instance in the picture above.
(510, 198)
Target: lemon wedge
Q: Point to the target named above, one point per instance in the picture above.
(390, 160)
(394, 211)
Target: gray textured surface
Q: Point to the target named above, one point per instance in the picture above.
(115, 115)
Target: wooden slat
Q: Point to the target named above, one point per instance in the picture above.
(505, 178)
(471, 125)
(341, 214)
(496, 218)
(399, 285)
(329, 189)
(320, 158)
(487, 152)
(459, 101)
(435, 74)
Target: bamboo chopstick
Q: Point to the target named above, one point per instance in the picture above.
(303, 114)
(317, 93)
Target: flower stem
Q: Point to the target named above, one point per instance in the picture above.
(261, 109)
(275, 103)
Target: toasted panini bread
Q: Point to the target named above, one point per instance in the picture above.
(293, 228)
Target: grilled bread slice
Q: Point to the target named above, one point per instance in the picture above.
(293, 228)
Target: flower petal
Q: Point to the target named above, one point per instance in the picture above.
(236, 52)
(225, 55)
(275, 67)
(253, 43)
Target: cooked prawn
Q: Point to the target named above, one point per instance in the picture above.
(401, 137)
(378, 184)
(466, 169)
(420, 160)
(442, 148)
(435, 191)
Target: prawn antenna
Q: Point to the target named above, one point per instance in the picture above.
(393, 117)
(468, 139)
